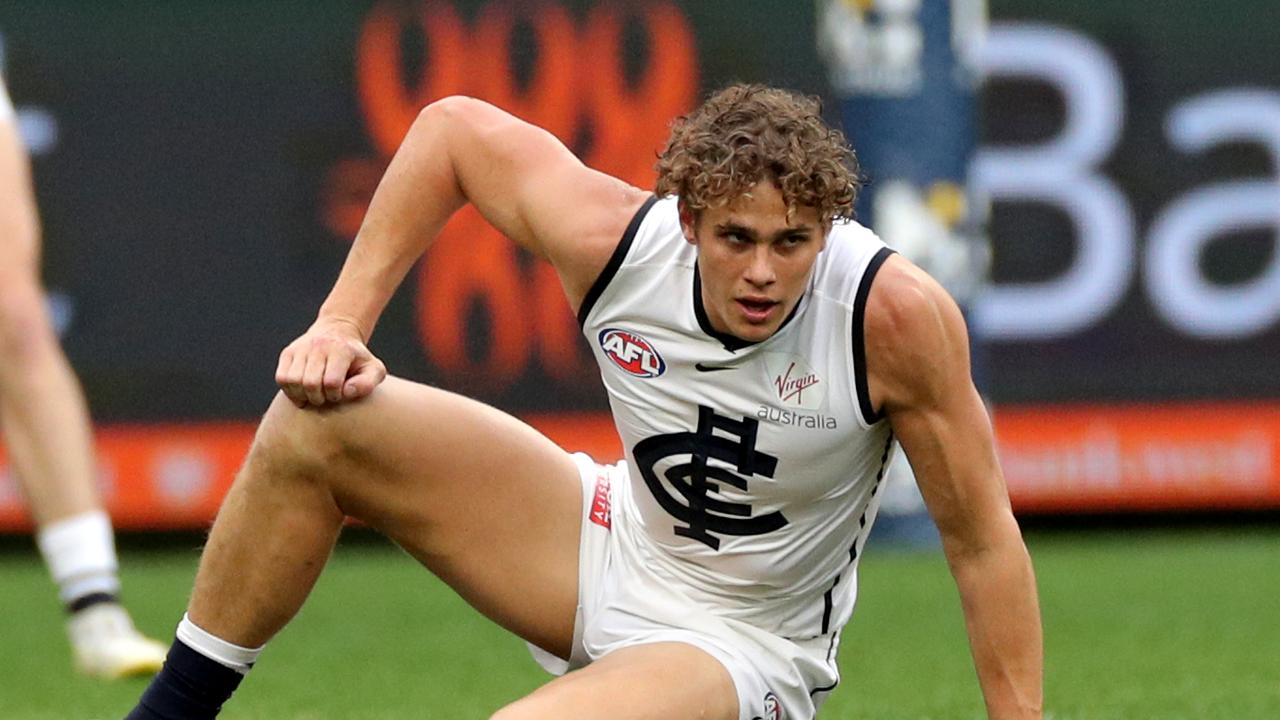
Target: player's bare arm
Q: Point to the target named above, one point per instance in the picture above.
(459, 150)
(918, 373)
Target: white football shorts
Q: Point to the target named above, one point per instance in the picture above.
(621, 603)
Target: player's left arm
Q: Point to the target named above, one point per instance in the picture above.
(918, 374)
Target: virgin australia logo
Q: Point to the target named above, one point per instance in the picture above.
(795, 382)
(791, 386)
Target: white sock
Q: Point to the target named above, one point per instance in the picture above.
(80, 553)
(240, 659)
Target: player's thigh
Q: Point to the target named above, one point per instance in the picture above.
(490, 505)
(659, 681)
(19, 226)
(21, 296)
(19, 257)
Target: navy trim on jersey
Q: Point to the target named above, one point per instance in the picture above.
(827, 599)
(831, 650)
(862, 520)
(615, 262)
(869, 414)
(828, 688)
(826, 606)
(732, 343)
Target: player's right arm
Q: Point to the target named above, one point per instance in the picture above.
(918, 374)
(459, 150)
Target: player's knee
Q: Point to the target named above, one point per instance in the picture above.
(25, 331)
(296, 441)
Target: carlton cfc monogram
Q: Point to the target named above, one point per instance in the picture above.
(695, 480)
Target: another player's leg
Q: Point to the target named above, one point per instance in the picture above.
(481, 499)
(667, 681)
(47, 435)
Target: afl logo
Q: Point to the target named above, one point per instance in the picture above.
(772, 708)
(635, 355)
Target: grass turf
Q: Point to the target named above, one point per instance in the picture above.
(1174, 625)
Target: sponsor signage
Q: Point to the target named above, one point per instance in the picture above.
(1141, 457)
(194, 217)
(1095, 458)
(795, 382)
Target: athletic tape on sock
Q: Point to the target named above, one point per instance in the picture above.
(80, 553)
(230, 655)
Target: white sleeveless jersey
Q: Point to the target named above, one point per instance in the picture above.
(754, 467)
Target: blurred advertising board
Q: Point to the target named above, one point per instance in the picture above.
(201, 173)
(1132, 327)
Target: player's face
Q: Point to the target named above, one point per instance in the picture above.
(753, 260)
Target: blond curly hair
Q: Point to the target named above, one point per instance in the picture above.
(746, 133)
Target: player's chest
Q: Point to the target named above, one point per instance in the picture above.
(792, 401)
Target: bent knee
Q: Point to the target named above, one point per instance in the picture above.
(300, 439)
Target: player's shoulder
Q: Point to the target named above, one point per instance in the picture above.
(848, 261)
(654, 232)
(627, 239)
(848, 240)
(850, 230)
(911, 321)
(902, 291)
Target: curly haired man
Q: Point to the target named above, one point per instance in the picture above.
(764, 357)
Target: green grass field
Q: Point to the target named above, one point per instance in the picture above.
(1174, 625)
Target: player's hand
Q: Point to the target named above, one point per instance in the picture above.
(329, 364)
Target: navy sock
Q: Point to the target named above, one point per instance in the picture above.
(190, 686)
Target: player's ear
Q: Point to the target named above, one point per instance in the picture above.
(688, 222)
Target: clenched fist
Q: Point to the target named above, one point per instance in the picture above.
(328, 364)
